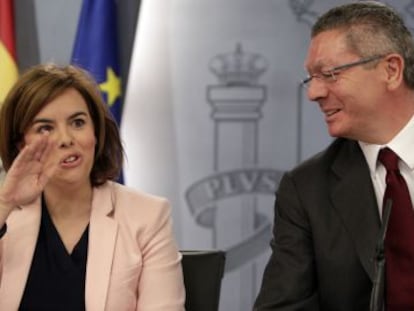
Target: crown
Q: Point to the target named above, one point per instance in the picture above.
(238, 68)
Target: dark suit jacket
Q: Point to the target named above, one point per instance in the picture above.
(326, 227)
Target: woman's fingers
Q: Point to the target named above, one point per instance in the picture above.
(32, 152)
(36, 151)
(49, 164)
(41, 147)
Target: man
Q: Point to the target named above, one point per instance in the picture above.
(328, 211)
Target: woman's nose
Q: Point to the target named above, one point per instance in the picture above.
(65, 138)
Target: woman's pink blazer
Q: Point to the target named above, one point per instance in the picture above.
(133, 262)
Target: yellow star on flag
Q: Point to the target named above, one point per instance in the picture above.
(112, 86)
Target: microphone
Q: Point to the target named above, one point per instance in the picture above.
(377, 293)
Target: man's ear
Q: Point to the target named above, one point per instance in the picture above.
(394, 67)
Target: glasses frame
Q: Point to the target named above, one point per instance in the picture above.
(330, 74)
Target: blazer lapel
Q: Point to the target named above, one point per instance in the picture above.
(19, 245)
(354, 198)
(102, 235)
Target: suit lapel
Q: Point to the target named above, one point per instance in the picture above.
(102, 235)
(19, 245)
(354, 198)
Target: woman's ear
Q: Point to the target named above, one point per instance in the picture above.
(20, 145)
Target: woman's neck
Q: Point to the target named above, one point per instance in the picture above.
(68, 202)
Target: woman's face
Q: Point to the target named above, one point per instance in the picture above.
(69, 125)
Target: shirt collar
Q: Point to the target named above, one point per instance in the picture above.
(402, 144)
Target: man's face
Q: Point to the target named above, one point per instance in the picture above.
(351, 100)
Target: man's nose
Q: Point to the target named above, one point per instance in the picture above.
(317, 89)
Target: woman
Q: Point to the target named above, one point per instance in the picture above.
(72, 239)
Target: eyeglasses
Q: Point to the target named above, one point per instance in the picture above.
(330, 75)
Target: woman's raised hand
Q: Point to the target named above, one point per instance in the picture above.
(29, 173)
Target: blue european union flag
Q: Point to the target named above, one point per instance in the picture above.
(96, 50)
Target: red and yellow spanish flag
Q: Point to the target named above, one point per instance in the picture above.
(8, 65)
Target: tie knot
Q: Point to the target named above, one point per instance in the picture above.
(389, 159)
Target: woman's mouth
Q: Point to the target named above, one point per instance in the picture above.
(70, 161)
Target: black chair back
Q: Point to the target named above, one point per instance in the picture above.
(203, 272)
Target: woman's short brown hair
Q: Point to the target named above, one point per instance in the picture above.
(34, 90)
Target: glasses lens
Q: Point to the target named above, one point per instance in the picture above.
(305, 82)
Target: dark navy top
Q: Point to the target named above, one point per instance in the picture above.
(56, 279)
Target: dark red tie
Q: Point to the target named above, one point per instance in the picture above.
(399, 241)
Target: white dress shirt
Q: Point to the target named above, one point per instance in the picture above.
(403, 145)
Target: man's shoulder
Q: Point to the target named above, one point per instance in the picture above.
(340, 149)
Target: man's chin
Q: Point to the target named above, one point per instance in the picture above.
(334, 132)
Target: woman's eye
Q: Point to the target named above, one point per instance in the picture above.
(78, 122)
(43, 129)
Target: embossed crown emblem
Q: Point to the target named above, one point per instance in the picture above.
(238, 68)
